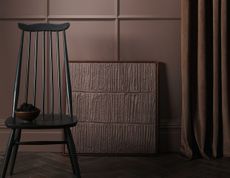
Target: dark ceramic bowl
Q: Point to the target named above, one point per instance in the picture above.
(27, 115)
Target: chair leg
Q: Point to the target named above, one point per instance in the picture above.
(15, 150)
(72, 152)
(8, 153)
(68, 146)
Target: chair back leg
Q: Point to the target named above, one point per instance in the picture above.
(8, 153)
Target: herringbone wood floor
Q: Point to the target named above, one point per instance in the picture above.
(50, 165)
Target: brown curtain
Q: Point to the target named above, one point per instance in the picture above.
(205, 65)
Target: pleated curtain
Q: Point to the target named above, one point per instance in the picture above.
(205, 66)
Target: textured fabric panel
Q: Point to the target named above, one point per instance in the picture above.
(116, 105)
(115, 138)
(114, 77)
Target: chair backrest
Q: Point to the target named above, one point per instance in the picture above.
(42, 72)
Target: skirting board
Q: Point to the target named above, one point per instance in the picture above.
(169, 139)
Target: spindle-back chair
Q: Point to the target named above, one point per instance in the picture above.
(50, 75)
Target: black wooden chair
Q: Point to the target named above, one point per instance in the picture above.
(42, 79)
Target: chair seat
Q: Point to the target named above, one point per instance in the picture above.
(47, 121)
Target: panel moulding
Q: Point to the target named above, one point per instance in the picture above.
(35, 17)
(81, 17)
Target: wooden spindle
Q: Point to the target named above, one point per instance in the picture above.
(35, 67)
(28, 68)
(68, 83)
(51, 72)
(59, 73)
(43, 73)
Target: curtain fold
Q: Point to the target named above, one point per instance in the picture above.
(205, 63)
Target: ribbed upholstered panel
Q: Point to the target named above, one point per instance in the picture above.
(114, 77)
(115, 138)
(116, 105)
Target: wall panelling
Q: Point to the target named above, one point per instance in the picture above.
(106, 30)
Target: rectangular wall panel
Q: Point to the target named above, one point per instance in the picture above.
(151, 40)
(22, 8)
(91, 40)
(82, 7)
(154, 8)
(116, 105)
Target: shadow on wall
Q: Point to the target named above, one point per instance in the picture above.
(164, 103)
(169, 140)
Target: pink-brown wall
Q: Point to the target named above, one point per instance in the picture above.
(104, 30)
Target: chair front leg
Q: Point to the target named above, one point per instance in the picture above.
(8, 153)
(68, 147)
(72, 152)
(15, 150)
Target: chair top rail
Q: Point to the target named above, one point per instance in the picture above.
(43, 27)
